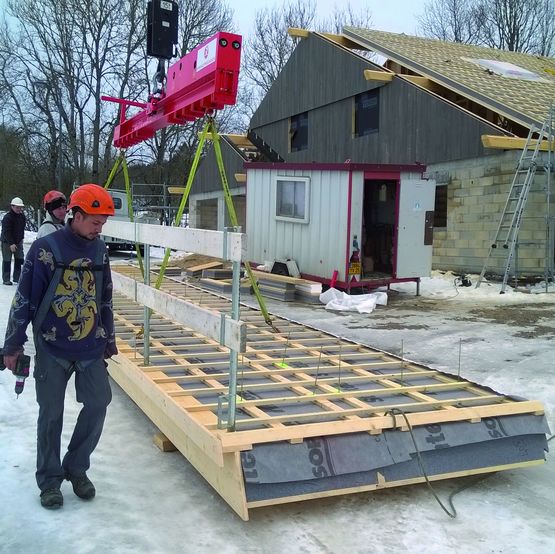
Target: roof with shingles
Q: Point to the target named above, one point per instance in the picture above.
(526, 102)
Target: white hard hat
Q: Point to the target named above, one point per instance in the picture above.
(17, 202)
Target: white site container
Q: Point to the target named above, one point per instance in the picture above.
(320, 215)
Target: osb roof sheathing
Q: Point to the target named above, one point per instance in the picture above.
(524, 101)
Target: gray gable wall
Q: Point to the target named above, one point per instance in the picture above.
(313, 77)
(208, 177)
(323, 78)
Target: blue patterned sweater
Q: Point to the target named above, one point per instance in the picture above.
(72, 328)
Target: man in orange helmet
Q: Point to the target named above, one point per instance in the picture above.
(65, 290)
(55, 204)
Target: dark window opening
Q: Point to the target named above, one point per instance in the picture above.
(117, 203)
(367, 112)
(298, 132)
(440, 215)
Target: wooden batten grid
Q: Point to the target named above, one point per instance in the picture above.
(292, 385)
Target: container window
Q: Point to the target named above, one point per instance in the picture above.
(292, 199)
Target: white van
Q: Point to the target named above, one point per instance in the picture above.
(122, 214)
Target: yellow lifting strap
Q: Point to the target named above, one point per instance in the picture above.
(210, 128)
(121, 160)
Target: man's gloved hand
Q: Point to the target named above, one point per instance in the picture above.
(10, 361)
(111, 350)
(13, 247)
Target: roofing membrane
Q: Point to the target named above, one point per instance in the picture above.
(453, 65)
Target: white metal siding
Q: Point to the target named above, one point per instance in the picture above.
(318, 246)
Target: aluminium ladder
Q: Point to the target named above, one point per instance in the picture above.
(506, 235)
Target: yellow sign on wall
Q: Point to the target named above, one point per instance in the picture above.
(354, 268)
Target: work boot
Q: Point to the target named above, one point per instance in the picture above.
(8, 283)
(51, 499)
(82, 486)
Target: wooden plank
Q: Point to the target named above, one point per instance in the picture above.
(176, 190)
(241, 177)
(341, 395)
(243, 440)
(512, 143)
(424, 82)
(367, 410)
(382, 76)
(233, 334)
(282, 278)
(163, 443)
(344, 41)
(272, 385)
(199, 241)
(241, 141)
(164, 413)
(222, 471)
(297, 33)
(198, 269)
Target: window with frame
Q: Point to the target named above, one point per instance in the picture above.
(292, 199)
(367, 112)
(117, 202)
(440, 209)
(298, 132)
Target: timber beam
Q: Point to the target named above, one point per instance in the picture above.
(512, 143)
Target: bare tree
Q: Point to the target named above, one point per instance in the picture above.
(60, 56)
(343, 16)
(267, 52)
(516, 25)
(451, 20)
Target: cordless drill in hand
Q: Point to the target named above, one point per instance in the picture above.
(21, 371)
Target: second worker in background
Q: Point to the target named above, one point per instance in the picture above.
(13, 232)
(55, 204)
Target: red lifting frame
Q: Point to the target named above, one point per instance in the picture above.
(202, 81)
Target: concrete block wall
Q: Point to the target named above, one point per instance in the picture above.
(476, 195)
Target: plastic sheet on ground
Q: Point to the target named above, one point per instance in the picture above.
(361, 303)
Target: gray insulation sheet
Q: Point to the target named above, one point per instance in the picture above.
(436, 462)
(341, 461)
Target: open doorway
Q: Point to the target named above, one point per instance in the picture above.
(378, 228)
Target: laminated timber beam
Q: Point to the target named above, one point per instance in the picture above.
(295, 387)
(381, 76)
(342, 40)
(220, 327)
(229, 246)
(513, 143)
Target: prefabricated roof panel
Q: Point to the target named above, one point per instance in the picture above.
(455, 66)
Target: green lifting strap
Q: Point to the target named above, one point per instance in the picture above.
(121, 160)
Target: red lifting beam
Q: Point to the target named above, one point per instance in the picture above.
(202, 81)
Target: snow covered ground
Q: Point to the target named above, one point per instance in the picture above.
(153, 502)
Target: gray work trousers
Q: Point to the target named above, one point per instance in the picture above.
(92, 390)
(19, 258)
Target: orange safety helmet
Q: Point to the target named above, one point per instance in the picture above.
(53, 200)
(92, 199)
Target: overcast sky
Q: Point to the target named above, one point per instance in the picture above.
(398, 16)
